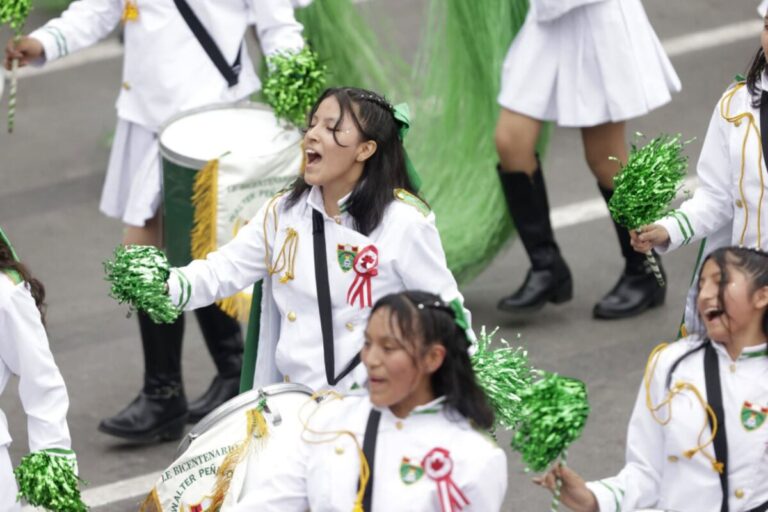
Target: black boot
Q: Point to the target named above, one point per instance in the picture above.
(159, 413)
(637, 288)
(224, 340)
(548, 279)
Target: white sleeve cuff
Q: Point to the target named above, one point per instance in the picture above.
(679, 228)
(54, 44)
(179, 288)
(608, 497)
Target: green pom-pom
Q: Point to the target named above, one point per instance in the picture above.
(138, 275)
(504, 374)
(646, 186)
(294, 82)
(50, 482)
(14, 13)
(554, 412)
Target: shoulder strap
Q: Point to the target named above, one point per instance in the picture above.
(324, 303)
(369, 450)
(715, 400)
(764, 125)
(230, 73)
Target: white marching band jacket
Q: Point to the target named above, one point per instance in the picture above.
(403, 253)
(670, 466)
(422, 462)
(165, 69)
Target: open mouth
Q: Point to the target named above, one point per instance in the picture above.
(711, 314)
(313, 156)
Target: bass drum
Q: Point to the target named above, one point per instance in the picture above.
(243, 435)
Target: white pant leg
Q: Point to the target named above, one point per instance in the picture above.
(8, 488)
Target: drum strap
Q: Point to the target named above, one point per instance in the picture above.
(324, 303)
(715, 400)
(369, 450)
(230, 73)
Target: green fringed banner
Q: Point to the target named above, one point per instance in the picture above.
(49, 481)
(504, 374)
(138, 274)
(294, 82)
(553, 414)
(453, 131)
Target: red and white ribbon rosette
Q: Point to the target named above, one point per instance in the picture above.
(366, 267)
(438, 466)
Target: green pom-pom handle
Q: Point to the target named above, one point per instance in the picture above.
(553, 414)
(48, 479)
(294, 82)
(504, 374)
(138, 274)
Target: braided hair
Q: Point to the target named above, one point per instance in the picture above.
(422, 315)
(383, 172)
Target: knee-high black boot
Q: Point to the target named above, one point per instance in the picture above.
(548, 279)
(637, 288)
(224, 340)
(160, 410)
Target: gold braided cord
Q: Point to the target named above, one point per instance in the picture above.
(331, 436)
(678, 388)
(286, 258)
(725, 112)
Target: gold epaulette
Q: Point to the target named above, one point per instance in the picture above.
(412, 200)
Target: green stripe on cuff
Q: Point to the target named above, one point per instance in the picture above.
(615, 496)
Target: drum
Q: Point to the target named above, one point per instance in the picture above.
(257, 157)
(191, 483)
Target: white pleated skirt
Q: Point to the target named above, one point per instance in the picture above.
(597, 63)
(132, 188)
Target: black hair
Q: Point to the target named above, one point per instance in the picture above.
(752, 262)
(424, 315)
(383, 172)
(36, 288)
(754, 74)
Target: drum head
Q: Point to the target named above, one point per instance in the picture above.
(246, 130)
(237, 404)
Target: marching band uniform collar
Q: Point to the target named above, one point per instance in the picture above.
(315, 200)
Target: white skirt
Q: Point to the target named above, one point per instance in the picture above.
(597, 63)
(132, 188)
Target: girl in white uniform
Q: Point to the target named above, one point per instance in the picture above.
(24, 352)
(712, 381)
(728, 205)
(591, 64)
(423, 424)
(379, 237)
(166, 70)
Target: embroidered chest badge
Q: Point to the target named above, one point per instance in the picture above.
(410, 473)
(366, 265)
(752, 417)
(438, 466)
(130, 11)
(345, 254)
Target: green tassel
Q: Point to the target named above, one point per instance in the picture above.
(504, 374)
(138, 275)
(294, 82)
(646, 186)
(553, 414)
(50, 482)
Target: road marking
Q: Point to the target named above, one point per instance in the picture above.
(689, 43)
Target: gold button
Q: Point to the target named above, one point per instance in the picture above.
(399, 425)
(350, 326)
(291, 316)
(286, 378)
(739, 493)
(339, 450)
(126, 86)
(739, 204)
(733, 367)
(672, 458)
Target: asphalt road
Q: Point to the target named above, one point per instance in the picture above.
(53, 167)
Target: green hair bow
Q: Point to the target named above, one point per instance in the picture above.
(402, 114)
